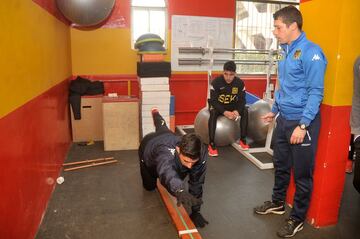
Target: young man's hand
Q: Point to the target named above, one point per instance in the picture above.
(186, 199)
(230, 115)
(268, 117)
(298, 135)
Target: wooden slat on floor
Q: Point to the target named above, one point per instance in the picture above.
(185, 227)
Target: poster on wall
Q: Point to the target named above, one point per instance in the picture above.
(204, 32)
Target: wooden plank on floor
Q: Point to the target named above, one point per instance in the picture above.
(185, 227)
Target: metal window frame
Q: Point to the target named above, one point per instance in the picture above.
(165, 1)
(148, 9)
(236, 27)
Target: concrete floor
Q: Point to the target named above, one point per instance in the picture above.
(108, 202)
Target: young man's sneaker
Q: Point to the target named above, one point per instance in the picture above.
(290, 228)
(270, 207)
(243, 145)
(154, 110)
(213, 151)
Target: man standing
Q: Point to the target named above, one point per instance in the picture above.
(301, 69)
(171, 158)
(227, 97)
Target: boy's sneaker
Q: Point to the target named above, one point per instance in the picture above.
(154, 110)
(243, 145)
(290, 228)
(270, 207)
(213, 151)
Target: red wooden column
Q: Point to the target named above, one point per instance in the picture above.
(341, 50)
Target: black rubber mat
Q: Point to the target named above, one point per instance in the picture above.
(108, 202)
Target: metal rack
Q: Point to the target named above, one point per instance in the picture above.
(270, 63)
(202, 61)
(203, 51)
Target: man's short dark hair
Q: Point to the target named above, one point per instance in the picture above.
(289, 15)
(190, 146)
(230, 66)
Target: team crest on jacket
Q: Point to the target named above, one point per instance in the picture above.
(297, 54)
(234, 90)
(172, 151)
(280, 56)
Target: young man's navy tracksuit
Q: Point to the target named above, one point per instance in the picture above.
(159, 159)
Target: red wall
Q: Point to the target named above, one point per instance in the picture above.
(121, 13)
(195, 85)
(190, 91)
(119, 17)
(34, 142)
(119, 84)
(211, 8)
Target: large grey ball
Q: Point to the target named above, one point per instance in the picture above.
(227, 131)
(85, 12)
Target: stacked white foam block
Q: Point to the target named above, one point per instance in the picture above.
(154, 93)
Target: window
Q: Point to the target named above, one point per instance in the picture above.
(148, 17)
(253, 31)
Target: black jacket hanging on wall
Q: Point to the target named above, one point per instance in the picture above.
(81, 86)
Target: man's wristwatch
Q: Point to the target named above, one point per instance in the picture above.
(302, 126)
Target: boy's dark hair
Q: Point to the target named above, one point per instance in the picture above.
(190, 146)
(230, 66)
(289, 15)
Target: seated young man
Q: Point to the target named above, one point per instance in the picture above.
(171, 158)
(227, 97)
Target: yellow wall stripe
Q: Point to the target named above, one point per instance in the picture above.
(331, 25)
(103, 51)
(35, 53)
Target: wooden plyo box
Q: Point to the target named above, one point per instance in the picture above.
(121, 123)
(90, 126)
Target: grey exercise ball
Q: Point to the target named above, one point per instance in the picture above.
(85, 12)
(227, 131)
(257, 128)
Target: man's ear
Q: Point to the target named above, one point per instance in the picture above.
(293, 26)
(177, 149)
